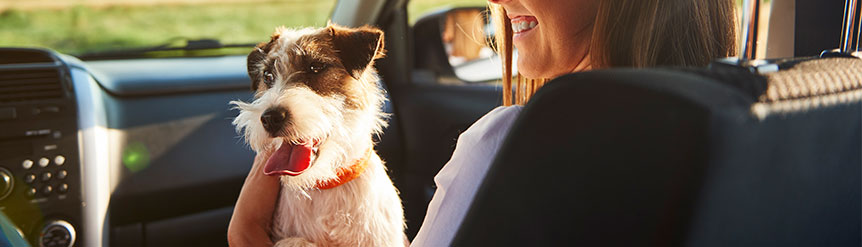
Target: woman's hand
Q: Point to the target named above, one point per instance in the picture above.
(252, 216)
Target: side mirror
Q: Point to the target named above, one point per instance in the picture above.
(454, 45)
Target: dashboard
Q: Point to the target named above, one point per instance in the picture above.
(125, 153)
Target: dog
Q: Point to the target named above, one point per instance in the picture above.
(317, 105)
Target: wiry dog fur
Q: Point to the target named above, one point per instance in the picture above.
(325, 79)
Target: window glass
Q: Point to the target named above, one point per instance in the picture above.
(86, 26)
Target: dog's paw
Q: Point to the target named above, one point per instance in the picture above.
(294, 242)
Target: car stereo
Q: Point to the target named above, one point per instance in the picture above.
(40, 167)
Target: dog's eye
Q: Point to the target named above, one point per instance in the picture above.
(268, 78)
(316, 67)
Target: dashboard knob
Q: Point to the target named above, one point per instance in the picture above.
(6, 183)
(57, 233)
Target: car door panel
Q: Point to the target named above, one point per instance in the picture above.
(432, 116)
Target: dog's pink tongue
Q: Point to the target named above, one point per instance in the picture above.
(289, 159)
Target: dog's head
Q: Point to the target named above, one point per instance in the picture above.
(317, 101)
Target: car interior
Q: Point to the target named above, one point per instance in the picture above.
(140, 150)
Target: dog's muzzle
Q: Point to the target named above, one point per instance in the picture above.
(273, 120)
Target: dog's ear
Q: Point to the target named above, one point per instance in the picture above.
(358, 47)
(257, 55)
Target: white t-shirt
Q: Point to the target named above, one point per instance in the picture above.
(459, 179)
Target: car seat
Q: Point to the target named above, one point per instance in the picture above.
(695, 157)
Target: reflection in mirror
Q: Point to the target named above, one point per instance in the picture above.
(467, 36)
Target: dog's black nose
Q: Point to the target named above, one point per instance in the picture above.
(273, 120)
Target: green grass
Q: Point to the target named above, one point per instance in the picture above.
(418, 8)
(78, 29)
(81, 28)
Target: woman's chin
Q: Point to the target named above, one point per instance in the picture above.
(524, 70)
(532, 73)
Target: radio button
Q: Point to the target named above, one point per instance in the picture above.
(62, 174)
(47, 176)
(51, 109)
(43, 162)
(27, 164)
(63, 188)
(6, 183)
(59, 160)
(31, 192)
(47, 189)
(29, 178)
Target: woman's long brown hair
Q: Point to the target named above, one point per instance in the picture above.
(636, 33)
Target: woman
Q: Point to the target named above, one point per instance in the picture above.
(559, 37)
(553, 37)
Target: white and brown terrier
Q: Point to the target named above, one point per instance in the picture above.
(317, 105)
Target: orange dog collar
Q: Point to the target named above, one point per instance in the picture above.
(347, 174)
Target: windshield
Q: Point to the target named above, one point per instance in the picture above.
(91, 26)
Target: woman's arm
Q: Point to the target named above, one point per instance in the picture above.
(252, 215)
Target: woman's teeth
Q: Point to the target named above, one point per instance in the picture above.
(523, 26)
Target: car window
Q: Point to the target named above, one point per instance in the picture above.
(89, 26)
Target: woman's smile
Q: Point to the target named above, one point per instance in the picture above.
(522, 24)
(549, 45)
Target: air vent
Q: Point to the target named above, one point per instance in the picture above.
(18, 85)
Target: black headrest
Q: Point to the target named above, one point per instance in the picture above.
(670, 157)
